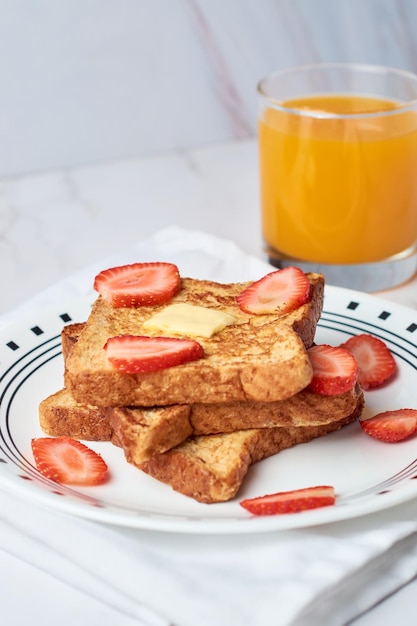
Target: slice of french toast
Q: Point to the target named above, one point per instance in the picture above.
(211, 468)
(61, 416)
(257, 357)
(208, 467)
(144, 432)
(304, 408)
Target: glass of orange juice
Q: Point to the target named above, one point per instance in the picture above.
(338, 172)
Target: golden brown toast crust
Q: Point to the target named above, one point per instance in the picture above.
(304, 409)
(260, 358)
(143, 434)
(211, 468)
(61, 416)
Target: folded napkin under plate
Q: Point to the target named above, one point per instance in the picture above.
(325, 575)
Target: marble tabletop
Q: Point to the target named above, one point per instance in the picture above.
(55, 223)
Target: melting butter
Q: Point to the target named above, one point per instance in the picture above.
(189, 320)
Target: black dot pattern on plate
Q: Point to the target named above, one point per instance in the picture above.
(37, 330)
(384, 315)
(352, 305)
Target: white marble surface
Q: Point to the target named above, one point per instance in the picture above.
(98, 80)
(53, 224)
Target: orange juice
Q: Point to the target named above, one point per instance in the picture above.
(339, 189)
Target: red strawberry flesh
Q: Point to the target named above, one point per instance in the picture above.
(375, 362)
(391, 426)
(294, 501)
(278, 292)
(334, 370)
(132, 354)
(68, 461)
(138, 284)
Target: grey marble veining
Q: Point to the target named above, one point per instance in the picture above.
(86, 82)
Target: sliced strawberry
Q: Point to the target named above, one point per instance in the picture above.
(291, 501)
(138, 355)
(279, 292)
(391, 426)
(68, 461)
(139, 284)
(334, 370)
(376, 365)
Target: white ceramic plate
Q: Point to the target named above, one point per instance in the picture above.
(368, 475)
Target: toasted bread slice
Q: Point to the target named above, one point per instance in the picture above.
(61, 416)
(258, 357)
(211, 468)
(147, 432)
(144, 432)
(303, 409)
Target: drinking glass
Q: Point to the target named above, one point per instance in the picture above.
(338, 172)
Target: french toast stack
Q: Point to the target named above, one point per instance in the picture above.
(199, 383)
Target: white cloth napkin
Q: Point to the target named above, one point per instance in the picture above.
(326, 575)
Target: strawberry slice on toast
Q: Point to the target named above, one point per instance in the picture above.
(391, 426)
(138, 284)
(133, 354)
(335, 370)
(68, 461)
(294, 501)
(375, 362)
(279, 292)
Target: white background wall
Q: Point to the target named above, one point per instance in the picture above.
(86, 81)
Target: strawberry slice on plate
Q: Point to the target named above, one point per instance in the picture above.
(391, 426)
(334, 370)
(68, 461)
(138, 284)
(375, 362)
(133, 354)
(279, 292)
(294, 501)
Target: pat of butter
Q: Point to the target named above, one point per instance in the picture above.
(189, 319)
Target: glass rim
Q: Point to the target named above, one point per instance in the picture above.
(363, 67)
